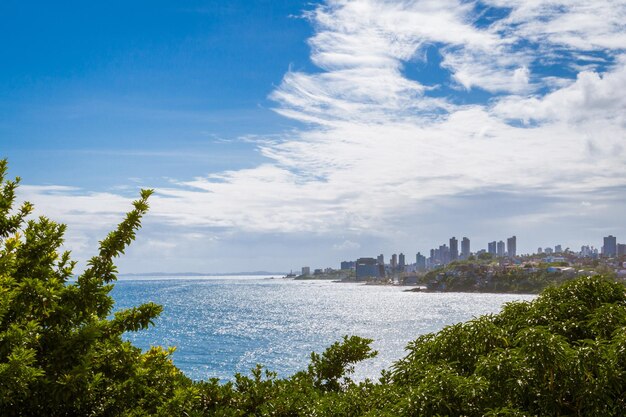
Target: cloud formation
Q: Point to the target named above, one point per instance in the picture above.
(532, 102)
(378, 142)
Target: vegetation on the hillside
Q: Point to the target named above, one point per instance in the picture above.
(484, 276)
(62, 353)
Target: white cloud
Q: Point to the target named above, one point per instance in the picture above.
(591, 96)
(346, 245)
(378, 147)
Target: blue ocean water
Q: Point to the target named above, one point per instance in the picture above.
(224, 325)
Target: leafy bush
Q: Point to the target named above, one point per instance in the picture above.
(59, 352)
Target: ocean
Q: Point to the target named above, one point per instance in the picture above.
(228, 324)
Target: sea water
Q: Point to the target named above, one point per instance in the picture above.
(224, 325)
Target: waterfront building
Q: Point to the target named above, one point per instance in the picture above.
(539, 251)
(394, 262)
(401, 262)
(500, 249)
(511, 247)
(347, 265)
(367, 268)
(549, 251)
(420, 262)
(621, 249)
(558, 249)
(610, 246)
(381, 259)
(306, 270)
(465, 248)
(491, 248)
(454, 249)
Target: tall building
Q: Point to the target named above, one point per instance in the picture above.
(454, 249)
(558, 249)
(539, 251)
(367, 268)
(610, 246)
(511, 246)
(394, 261)
(401, 262)
(500, 249)
(465, 248)
(306, 270)
(381, 259)
(491, 248)
(444, 254)
(586, 251)
(420, 261)
(621, 249)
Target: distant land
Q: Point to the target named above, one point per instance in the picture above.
(198, 274)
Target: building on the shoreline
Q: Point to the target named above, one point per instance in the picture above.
(306, 270)
(401, 262)
(420, 262)
(367, 268)
(347, 265)
(491, 248)
(394, 262)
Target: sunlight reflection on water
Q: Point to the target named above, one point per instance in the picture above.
(224, 325)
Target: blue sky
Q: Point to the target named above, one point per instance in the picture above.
(147, 86)
(282, 133)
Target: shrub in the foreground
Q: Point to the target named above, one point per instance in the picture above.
(60, 354)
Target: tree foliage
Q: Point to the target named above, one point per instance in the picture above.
(60, 354)
(62, 351)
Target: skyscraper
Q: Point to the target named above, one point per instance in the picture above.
(558, 249)
(454, 249)
(394, 261)
(420, 261)
(465, 248)
(500, 249)
(491, 248)
(401, 262)
(610, 246)
(444, 254)
(511, 246)
(381, 259)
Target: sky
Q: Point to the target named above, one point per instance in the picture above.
(281, 133)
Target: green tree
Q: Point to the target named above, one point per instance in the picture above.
(60, 354)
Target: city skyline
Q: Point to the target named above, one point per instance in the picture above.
(614, 249)
(282, 133)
